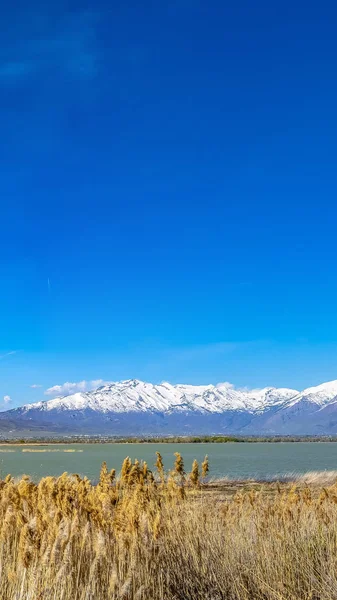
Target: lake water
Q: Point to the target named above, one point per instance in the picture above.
(234, 460)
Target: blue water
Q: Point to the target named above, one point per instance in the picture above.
(234, 460)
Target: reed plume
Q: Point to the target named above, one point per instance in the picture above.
(133, 537)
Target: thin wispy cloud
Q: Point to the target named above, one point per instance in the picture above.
(35, 386)
(73, 387)
(8, 354)
(7, 399)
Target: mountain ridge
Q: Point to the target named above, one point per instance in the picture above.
(134, 394)
(137, 407)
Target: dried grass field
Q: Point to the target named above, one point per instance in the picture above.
(167, 535)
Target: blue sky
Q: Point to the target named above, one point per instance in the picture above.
(168, 194)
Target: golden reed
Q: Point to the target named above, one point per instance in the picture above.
(164, 536)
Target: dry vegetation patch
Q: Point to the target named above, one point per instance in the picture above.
(166, 536)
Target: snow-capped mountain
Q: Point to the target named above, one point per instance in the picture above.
(313, 411)
(138, 396)
(135, 407)
(320, 395)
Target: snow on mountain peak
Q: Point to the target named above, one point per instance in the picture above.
(133, 395)
(137, 406)
(320, 394)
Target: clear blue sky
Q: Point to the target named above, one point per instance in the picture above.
(168, 193)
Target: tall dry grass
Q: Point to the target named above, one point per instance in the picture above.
(145, 536)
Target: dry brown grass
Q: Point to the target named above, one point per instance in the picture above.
(145, 536)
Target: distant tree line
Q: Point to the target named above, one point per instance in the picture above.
(206, 439)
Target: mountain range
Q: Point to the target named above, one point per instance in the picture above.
(133, 407)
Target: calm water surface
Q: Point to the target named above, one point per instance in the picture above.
(235, 460)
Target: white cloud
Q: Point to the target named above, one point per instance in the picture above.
(7, 399)
(225, 384)
(72, 387)
(98, 382)
(35, 385)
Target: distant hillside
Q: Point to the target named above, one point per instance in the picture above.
(133, 407)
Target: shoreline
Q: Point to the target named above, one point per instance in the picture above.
(61, 441)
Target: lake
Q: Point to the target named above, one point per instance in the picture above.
(234, 460)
